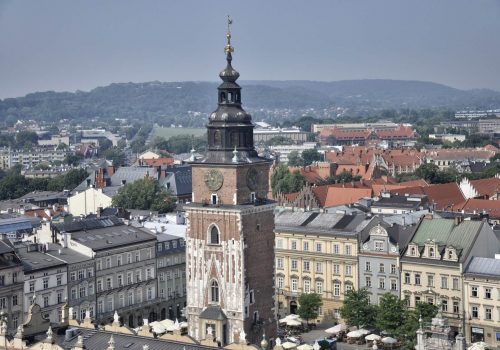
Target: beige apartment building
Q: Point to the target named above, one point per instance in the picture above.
(316, 252)
(435, 259)
(482, 301)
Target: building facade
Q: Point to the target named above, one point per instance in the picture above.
(230, 238)
(11, 284)
(316, 252)
(171, 267)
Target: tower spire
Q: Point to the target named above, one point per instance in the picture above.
(228, 49)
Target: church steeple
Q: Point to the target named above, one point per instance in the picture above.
(229, 126)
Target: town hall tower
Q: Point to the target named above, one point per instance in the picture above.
(230, 227)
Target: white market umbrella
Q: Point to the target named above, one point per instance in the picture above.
(166, 322)
(293, 323)
(305, 347)
(288, 345)
(389, 340)
(364, 331)
(478, 346)
(371, 337)
(354, 334)
(159, 329)
(336, 329)
(183, 325)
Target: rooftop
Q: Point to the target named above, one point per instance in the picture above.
(483, 266)
(112, 237)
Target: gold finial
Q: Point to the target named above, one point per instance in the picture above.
(228, 48)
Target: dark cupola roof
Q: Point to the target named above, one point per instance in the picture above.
(230, 128)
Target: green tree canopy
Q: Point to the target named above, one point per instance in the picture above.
(357, 310)
(115, 155)
(26, 139)
(311, 155)
(278, 141)
(390, 313)
(145, 194)
(294, 159)
(282, 181)
(309, 304)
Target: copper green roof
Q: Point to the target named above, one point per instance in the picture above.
(445, 232)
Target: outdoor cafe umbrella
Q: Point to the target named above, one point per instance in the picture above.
(305, 347)
(336, 329)
(288, 345)
(389, 340)
(364, 331)
(158, 328)
(290, 317)
(371, 337)
(354, 334)
(293, 323)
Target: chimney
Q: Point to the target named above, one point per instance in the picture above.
(110, 170)
(458, 220)
(88, 182)
(99, 212)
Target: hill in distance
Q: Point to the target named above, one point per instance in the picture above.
(152, 100)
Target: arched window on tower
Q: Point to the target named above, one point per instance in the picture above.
(222, 97)
(214, 235)
(217, 138)
(230, 97)
(214, 292)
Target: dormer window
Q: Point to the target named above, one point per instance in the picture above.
(431, 252)
(413, 251)
(450, 254)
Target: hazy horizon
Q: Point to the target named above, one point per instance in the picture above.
(57, 45)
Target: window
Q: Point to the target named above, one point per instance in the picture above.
(393, 269)
(45, 283)
(3, 303)
(336, 248)
(91, 289)
(473, 292)
(368, 266)
(279, 243)
(306, 246)
(90, 272)
(109, 283)
(139, 295)
(407, 278)
(487, 293)
(307, 286)
(475, 313)
(99, 285)
(129, 277)
(99, 265)
(137, 256)
(417, 300)
(444, 305)
(59, 280)
(129, 258)
(138, 276)
(319, 267)
(455, 283)
(444, 282)
(121, 300)
(487, 314)
(294, 264)
(110, 304)
(214, 199)
(381, 268)
(214, 292)
(149, 273)
(14, 300)
(394, 285)
(72, 276)
(319, 247)
(430, 281)
(119, 260)
(348, 287)
(431, 252)
(368, 282)
(293, 244)
(108, 263)
(82, 292)
(348, 270)
(336, 269)
(381, 283)
(456, 308)
(99, 306)
(413, 251)
(417, 279)
(319, 287)
(348, 249)
(306, 265)
(120, 280)
(336, 289)
(281, 282)
(294, 284)
(214, 235)
(45, 300)
(151, 293)
(130, 298)
(379, 245)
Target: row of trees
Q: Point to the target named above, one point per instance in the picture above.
(180, 143)
(21, 140)
(391, 315)
(307, 157)
(14, 185)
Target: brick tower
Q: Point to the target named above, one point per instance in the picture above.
(230, 228)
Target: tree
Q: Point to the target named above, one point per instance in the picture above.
(282, 181)
(428, 172)
(104, 144)
(294, 159)
(26, 139)
(278, 141)
(391, 313)
(115, 155)
(357, 310)
(73, 159)
(311, 155)
(145, 194)
(410, 325)
(309, 304)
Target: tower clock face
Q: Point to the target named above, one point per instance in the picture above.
(252, 178)
(214, 179)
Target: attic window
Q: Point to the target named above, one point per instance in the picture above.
(413, 251)
(450, 254)
(431, 252)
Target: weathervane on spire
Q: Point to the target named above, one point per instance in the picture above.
(228, 48)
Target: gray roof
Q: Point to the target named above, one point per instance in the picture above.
(98, 340)
(67, 255)
(398, 234)
(131, 174)
(399, 201)
(22, 223)
(213, 313)
(37, 196)
(112, 237)
(36, 260)
(483, 266)
(88, 224)
(179, 178)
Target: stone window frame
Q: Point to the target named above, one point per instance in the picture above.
(209, 234)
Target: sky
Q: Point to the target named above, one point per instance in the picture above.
(66, 45)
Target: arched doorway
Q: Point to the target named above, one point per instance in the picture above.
(171, 313)
(293, 307)
(131, 321)
(163, 313)
(152, 316)
(139, 320)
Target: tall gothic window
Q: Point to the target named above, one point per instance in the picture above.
(214, 235)
(214, 292)
(217, 138)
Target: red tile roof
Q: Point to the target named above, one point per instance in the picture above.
(444, 196)
(487, 187)
(473, 205)
(344, 195)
